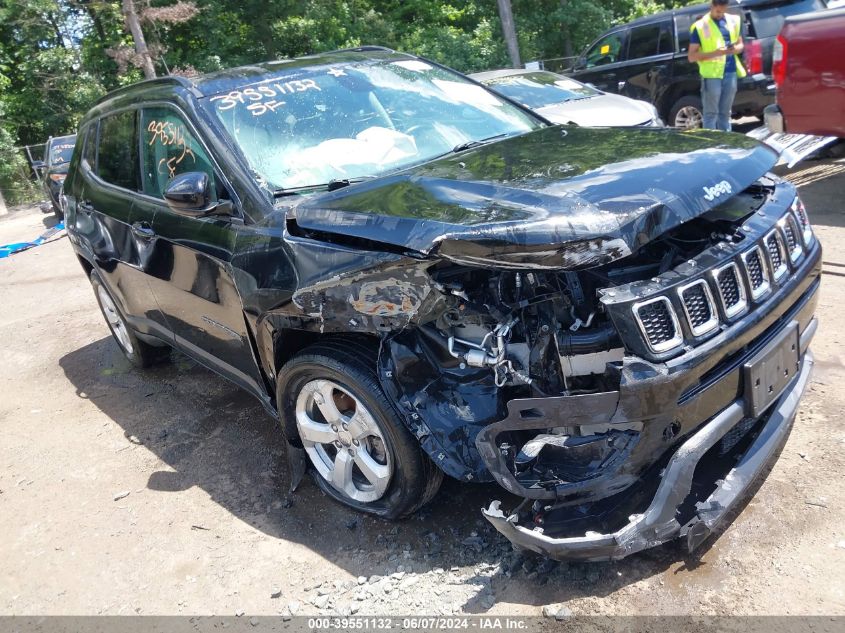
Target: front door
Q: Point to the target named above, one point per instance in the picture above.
(190, 271)
(651, 49)
(602, 61)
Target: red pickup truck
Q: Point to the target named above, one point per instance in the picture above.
(809, 71)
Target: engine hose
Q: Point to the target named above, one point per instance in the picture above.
(598, 339)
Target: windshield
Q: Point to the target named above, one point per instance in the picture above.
(310, 126)
(61, 151)
(537, 90)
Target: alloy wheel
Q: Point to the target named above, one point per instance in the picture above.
(689, 117)
(343, 440)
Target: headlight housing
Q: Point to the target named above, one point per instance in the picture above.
(656, 121)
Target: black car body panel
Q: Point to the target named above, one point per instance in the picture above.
(664, 75)
(558, 311)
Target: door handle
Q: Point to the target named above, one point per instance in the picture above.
(143, 230)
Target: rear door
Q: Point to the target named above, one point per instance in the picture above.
(651, 48)
(104, 217)
(190, 269)
(602, 61)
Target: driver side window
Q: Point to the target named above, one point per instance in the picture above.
(168, 148)
(608, 50)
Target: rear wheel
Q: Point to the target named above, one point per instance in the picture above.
(362, 454)
(137, 352)
(687, 113)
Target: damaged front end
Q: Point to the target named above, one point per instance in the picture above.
(629, 394)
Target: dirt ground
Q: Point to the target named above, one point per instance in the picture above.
(162, 491)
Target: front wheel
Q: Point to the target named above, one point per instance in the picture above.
(687, 113)
(361, 453)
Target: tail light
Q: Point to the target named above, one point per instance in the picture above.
(754, 57)
(58, 177)
(779, 61)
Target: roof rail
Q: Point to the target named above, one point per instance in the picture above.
(167, 79)
(365, 47)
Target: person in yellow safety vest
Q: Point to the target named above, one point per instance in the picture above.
(715, 43)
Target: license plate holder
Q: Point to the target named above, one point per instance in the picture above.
(770, 370)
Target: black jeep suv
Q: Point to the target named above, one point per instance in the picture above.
(419, 277)
(647, 59)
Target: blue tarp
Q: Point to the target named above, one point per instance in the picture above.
(17, 247)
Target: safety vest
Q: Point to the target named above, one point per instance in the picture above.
(711, 39)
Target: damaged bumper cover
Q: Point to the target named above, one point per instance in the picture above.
(658, 523)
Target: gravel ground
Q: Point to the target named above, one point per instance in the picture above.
(163, 491)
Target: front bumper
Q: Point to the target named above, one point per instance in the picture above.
(658, 523)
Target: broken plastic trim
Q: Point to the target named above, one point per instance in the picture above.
(658, 523)
(539, 413)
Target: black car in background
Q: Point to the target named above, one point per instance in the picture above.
(419, 278)
(57, 154)
(647, 59)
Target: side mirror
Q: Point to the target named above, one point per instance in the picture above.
(190, 194)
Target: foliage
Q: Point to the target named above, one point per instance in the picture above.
(58, 56)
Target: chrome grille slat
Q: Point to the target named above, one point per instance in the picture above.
(803, 222)
(658, 322)
(699, 307)
(789, 227)
(777, 254)
(755, 269)
(731, 291)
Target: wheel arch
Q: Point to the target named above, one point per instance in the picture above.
(674, 94)
(285, 343)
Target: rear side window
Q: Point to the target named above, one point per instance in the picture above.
(117, 156)
(649, 40)
(608, 50)
(169, 148)
(768, 20)
(90, 147)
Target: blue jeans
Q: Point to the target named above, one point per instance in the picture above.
(717, 96)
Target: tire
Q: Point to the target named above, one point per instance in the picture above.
(687, 113)
(333, 383)
(137, 352)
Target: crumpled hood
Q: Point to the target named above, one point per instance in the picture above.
(559, 197)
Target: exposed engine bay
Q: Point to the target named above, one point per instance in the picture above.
(569, 358)
(492, 336)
